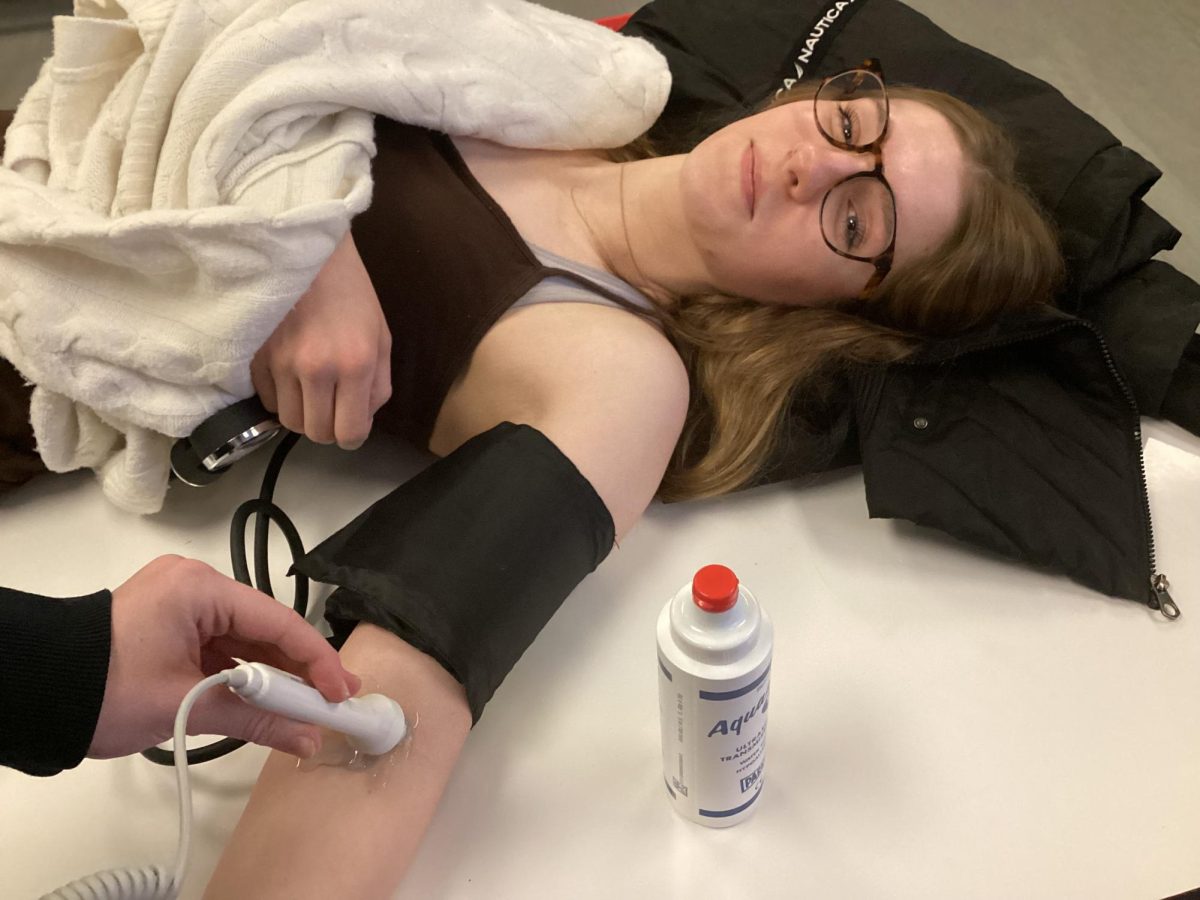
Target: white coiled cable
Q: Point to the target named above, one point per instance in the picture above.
(147, 883)
(151, 882)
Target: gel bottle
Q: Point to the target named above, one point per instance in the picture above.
(714, 667)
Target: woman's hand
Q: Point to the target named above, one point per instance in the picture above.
(326, 369)
(177, 621)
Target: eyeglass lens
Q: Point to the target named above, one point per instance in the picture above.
(858, 216)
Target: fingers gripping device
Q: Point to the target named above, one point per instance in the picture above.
(373, 724)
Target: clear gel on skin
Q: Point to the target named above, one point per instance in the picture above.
(337, 752)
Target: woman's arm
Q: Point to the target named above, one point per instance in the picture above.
(332, 832)
(610, 392)
(604, 385)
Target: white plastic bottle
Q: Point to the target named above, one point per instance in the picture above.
(714, 670)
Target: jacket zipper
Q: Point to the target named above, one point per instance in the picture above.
(1158, 595)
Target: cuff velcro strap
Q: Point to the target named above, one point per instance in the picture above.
(468, 560)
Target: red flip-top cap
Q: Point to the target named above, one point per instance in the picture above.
(715, 589)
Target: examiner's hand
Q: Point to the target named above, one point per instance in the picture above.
(327, 369)
(177, 621)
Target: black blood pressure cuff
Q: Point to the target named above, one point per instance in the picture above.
(469, 560)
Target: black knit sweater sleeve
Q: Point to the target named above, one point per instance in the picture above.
(53, 669)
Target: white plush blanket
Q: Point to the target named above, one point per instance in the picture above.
(181, 170)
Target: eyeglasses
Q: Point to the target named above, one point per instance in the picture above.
(858, 214)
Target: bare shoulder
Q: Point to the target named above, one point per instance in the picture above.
(604, 384)
(596, 360)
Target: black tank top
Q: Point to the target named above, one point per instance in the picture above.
(446, 262)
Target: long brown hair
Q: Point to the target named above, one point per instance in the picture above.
(750, 362)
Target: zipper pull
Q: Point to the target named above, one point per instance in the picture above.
(1160, 597)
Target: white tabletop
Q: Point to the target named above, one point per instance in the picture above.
(942, 724)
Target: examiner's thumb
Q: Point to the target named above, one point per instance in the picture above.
(223, 713)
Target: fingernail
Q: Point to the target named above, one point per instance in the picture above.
(307, 748)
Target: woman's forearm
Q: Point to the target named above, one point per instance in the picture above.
(333, 832)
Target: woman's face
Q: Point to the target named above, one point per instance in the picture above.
(752, 196)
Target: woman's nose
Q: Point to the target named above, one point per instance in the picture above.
(810, 175)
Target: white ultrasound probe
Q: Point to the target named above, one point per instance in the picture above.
(373, 724)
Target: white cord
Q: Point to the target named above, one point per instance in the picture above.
(151, 882)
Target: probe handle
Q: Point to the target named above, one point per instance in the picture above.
(374, 724)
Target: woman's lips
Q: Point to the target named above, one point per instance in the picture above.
(748, 178)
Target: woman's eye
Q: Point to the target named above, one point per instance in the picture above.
(846, 118)
(854, 231)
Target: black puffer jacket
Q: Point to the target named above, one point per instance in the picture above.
(1023, 438)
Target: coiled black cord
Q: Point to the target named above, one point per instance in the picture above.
(265, 510)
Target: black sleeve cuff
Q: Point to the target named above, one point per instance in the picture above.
(53, 670)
